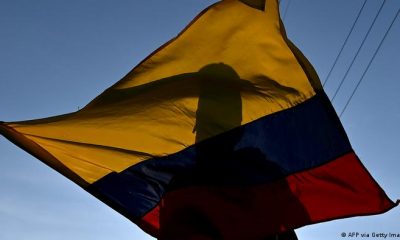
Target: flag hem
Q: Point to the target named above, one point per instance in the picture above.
(40, 153)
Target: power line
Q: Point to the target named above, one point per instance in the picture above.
(370, 62)
(344, 43)
(286, 9)
(358, 51)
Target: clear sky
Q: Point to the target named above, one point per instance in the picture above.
(55, 56)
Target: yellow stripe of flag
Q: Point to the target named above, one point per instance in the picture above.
(152, 110)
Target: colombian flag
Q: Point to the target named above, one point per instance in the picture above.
(223, 132)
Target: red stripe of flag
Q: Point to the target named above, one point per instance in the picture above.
(338, 189)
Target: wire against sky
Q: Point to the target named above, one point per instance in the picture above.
(358, 51)
(344, 43)
(370, 62)
(286, 9)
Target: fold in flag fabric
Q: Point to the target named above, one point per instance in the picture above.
(224, 131)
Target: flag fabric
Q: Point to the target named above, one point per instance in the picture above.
(224, 131)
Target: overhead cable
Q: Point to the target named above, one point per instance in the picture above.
(358, 51)
(370, 62)
(344, 43)
(286, 9)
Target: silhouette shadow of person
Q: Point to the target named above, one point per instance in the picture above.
(202, 203)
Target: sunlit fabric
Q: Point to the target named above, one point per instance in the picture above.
(224, 132)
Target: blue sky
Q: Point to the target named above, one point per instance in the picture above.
(55, 56)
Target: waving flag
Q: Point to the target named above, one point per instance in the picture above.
(224, 131)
